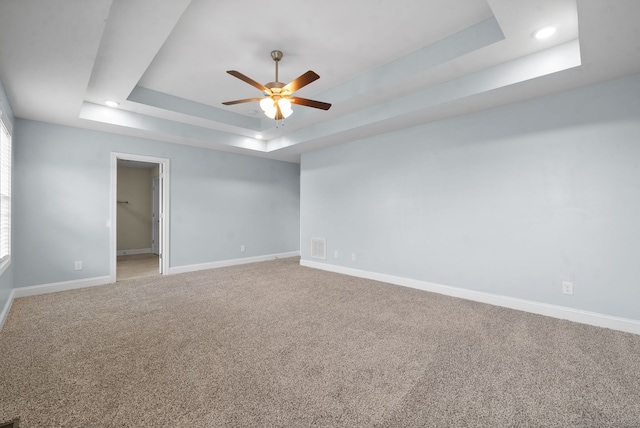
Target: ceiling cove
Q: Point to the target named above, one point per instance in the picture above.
(381, 68)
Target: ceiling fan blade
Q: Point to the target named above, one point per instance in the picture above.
(310, 103)
(300, 82)
(279, 115)
(249, 80)
(246, 100)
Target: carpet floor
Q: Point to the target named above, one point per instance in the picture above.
(274, 344)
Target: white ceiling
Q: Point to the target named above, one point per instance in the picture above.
(383, 65)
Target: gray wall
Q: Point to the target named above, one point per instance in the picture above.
(510, 201)
(218, 202)
(6, 279)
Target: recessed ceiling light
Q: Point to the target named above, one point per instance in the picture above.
(111, 103)
(259, 136)
(544, 32)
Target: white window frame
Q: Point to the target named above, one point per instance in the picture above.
(5, 192)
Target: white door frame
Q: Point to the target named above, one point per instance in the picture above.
(164, 208)
(155, 217)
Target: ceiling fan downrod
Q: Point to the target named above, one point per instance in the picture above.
(276, 56)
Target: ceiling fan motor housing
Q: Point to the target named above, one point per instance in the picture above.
(275, 87)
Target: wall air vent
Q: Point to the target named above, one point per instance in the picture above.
(319, 248)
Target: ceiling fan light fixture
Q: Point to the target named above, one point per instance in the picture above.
(268, 105)
(271, 113)
(285, 107)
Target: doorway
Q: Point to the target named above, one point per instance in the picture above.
(140, 242)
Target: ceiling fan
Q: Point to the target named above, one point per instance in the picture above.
(278, 97)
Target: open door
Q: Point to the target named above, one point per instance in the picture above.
(159, 222)
(155, 216)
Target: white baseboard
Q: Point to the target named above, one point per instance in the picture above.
(5, 310)
(60, 286)
(232, 262)
(135, 251)
(584, 317)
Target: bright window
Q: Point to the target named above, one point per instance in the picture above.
(5, 192)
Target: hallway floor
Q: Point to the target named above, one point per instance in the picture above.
(137, 266)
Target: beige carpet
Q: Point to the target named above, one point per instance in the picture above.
(274, 344)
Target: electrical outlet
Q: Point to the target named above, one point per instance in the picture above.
(241, 247)
(78, 265)
(335, 254)
(353, 256)
(567, 287)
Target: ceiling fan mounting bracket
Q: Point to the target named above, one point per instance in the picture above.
(276, 55)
